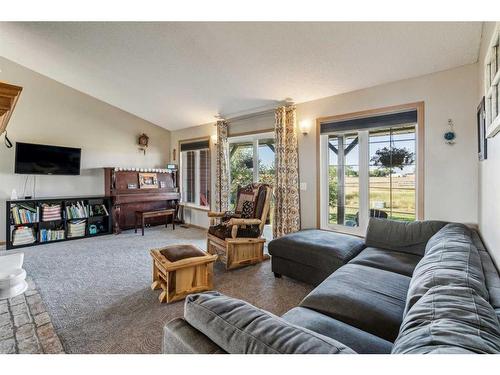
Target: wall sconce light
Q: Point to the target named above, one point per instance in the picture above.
(305, 126)
(213, 137)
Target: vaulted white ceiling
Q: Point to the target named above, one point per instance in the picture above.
(180, 74)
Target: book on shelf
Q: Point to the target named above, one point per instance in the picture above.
(47, 235)
(24, 214)
(76, 210)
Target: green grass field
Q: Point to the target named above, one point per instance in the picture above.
(401, 206)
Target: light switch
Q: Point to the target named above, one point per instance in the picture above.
(303, 186)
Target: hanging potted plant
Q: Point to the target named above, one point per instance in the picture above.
(393, 157)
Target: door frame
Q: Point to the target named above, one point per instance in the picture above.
(420, 147)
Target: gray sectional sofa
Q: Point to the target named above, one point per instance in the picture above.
(422, 287)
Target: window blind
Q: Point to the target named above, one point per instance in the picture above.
(204, 177)
(387, 120)
(190, 176)
(198, 145)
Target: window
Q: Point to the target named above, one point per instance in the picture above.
(244, 154)
(369, 169)
(251, 159)
(195, 172)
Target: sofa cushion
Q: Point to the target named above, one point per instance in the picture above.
(181, 338)
(360, 341)
(299, 271)
(449, 319)
(317, 248)
(367, 298)
(406, 237)
(239, 328)
(450, 259)
(491, 276)
(394, 261)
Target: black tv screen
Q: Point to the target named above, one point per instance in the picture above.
(43, 159)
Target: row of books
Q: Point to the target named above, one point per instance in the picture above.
(76, 211)
(76, 228)
(24, 214)
(47, 235)
(23, 236)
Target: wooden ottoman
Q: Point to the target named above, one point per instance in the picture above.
(181, 270)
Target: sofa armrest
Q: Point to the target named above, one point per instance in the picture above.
(181, 338)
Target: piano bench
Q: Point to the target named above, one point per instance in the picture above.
(141, 216)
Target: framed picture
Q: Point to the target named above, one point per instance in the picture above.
(148, 181)
(482, 141)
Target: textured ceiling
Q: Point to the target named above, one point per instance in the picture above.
(181, 74)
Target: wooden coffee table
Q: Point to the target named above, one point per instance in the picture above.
(180, 270)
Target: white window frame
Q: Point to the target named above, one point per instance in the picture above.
(254, 139)
(364, 204)
(183, 178)
(363, 184)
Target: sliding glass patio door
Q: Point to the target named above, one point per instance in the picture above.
(368, 172)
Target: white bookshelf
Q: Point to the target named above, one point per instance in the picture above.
(492, 83)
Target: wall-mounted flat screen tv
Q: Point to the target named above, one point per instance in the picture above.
(44, 159)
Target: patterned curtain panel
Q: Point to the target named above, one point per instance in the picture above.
(222, 168)
(286, 190)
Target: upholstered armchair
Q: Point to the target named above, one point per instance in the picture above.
(237, 236)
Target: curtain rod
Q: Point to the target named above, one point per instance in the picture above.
(250, 115)
(257, 113)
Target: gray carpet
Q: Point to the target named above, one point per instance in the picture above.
(97, 290)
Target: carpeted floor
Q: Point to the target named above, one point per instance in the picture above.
(98, 294)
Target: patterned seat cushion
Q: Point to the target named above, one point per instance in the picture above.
(222, 231)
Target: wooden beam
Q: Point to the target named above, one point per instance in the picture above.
(9, 95)
(351, 146)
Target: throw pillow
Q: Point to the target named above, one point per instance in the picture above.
(248, 210)
(242, 198)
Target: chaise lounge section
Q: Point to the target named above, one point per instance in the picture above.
(406, 279)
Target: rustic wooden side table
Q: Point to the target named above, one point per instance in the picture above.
(180, 270)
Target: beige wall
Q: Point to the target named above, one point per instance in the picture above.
(489, 170)
(51, 113)
(450, 171)
(451, 188)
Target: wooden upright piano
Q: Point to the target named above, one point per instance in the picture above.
(127, 195)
